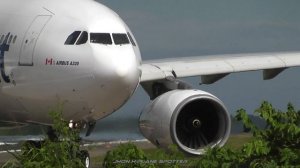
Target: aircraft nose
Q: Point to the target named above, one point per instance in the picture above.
(117, 68)
(125, 65)
(115, 78)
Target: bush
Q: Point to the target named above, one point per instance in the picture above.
(126, 155)
(62, 152)
(278, 145)
(170, 158)
(129, 156)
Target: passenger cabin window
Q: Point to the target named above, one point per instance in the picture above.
(83, 38)
(100, 38)
(72, 38)
(131, 39)
(120, 39)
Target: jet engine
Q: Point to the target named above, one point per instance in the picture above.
(191, 119)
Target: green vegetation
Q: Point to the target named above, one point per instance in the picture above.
(129, 156)
(161, 157)
(61, 152)
(278, 145)
(237, 141)
(123, 155)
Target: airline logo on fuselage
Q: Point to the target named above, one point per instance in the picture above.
(4, 47)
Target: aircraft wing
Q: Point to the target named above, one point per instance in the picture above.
(213, 68)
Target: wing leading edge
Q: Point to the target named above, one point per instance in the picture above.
(213, 68)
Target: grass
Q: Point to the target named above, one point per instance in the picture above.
(234, 141)
(97, 161)
(238, 140)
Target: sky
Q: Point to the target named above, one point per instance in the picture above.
(183, 28)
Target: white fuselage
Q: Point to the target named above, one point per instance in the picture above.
(39, 70)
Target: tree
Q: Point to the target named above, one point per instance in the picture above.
(278, 145)
(61, 152)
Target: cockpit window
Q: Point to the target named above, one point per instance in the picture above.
(10, 38)
(72, 38)
(101, 38)
(120, 39)
(131, 39)
(83, 38)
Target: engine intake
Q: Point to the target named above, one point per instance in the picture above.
(191, 119)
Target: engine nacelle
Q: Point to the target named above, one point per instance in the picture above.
(191, 119)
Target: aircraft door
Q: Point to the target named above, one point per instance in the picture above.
(30, 39)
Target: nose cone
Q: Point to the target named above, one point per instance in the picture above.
(117, 65)
(126, 73)
(116, 73)
(125, 65)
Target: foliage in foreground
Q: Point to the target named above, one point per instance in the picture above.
(125, 155)
(130, 156)
(62, 152)
(278, 145)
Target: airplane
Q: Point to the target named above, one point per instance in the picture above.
(82, 53)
